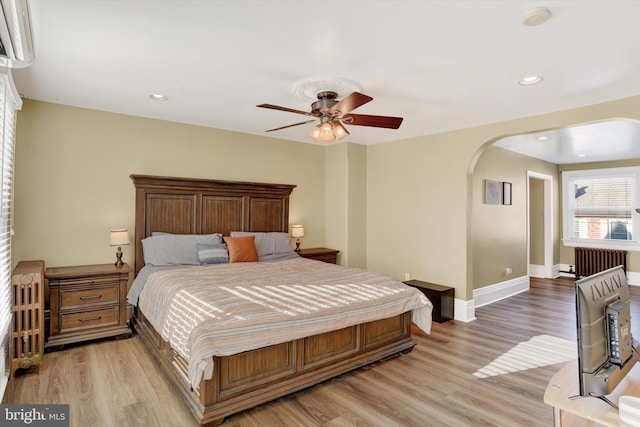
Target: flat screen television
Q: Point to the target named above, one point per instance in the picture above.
(606, 351)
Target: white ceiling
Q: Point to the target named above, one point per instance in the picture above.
(442, 65)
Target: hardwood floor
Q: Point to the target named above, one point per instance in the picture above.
(115, 383)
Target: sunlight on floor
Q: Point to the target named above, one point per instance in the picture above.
(541, 350)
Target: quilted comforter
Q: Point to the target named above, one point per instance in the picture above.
(224, 309)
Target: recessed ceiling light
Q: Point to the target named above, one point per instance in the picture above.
(158, 97)
(530, 80)
(542, 138)
(536, 16)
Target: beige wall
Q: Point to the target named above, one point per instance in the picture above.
(346, 172)
(73, 167)
(420, 193)
(72, 185)
(500, 232)
(336, 199)
(536, 221)
(357, 219)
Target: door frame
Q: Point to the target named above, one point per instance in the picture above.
(548, 221)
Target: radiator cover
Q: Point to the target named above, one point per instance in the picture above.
(590, 261)
(26, 347)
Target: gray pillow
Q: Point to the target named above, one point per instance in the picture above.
(176, 249)
(212, 254)
(268, 243)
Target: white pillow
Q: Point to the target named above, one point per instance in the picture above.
(176, 249)
(268, 243)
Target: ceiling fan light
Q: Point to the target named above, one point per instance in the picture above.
(315, 133)
(339, 131)
(327, 136)
(326, 127)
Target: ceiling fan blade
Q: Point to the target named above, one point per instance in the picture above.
(374, 121)
(295, 124)
(290, 110)
(351, 102)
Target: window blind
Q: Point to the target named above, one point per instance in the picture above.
(603, 197)
(599, 208)
(9, 104)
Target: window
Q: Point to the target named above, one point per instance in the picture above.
(599, 208)
(9, 103)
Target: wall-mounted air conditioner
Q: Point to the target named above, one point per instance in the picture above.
(16, 43)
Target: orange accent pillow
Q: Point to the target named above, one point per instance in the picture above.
(241, 249)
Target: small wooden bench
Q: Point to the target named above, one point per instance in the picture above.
(442, 298)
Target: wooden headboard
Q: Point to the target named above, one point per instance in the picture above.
(204, 206)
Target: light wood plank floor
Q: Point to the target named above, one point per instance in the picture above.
(115, 383)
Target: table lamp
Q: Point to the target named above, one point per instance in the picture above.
(119, 238)
(297, 231)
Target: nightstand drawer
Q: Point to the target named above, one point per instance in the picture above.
(93, 296)
(89, 319)
(92, 281)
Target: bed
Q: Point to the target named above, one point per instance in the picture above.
(243, 371)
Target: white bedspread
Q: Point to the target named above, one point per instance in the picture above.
(225, 309)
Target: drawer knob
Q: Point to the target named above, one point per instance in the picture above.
(89, 319)
(82, 298)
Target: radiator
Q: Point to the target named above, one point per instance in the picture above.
(592, 260)
(26, 348)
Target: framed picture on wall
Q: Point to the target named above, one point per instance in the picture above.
(506, 193)
(492, 192)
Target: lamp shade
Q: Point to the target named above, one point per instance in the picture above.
(119, 237)
(297, 231)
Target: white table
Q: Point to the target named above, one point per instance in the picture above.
(586, 411)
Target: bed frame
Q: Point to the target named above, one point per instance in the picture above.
(245, 380)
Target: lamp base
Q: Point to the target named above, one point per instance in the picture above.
(297, 246)
(119, 262)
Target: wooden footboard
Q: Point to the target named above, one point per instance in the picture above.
(248, 379)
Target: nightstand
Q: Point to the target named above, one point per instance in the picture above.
(87, 302)
(320, 254)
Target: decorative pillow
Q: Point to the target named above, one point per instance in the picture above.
(241, 249)
(212, 254)
(176, 249)
(268, 243)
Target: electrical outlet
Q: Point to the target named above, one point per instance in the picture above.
(407, 276)
(508, 271)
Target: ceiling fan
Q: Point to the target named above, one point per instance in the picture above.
(333, 114)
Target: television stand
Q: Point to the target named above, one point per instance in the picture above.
(563, 391)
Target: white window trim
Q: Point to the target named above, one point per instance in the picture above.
(568, 191)
(11, 101)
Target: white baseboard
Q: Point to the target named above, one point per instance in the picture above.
(493, 293)
(633, 277)
(536, 271)
(464, 311)
(557, 270)
(563, 270)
